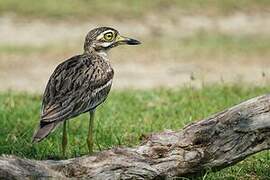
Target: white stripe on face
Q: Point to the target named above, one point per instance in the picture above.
(102, 34)
(106, 44)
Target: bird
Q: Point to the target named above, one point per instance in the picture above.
(80, 84)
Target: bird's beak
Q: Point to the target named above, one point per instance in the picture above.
(125, 40)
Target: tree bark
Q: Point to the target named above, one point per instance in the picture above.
(213, 143)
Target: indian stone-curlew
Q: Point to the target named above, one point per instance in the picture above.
(80, 84)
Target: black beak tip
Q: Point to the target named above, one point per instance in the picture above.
(133, 42)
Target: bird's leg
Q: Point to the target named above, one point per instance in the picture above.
(90, 132)
(64, 139)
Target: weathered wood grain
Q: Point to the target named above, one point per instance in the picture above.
(216, 142)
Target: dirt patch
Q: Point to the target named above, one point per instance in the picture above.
(31, 72)
(42, 32)
(32, 75)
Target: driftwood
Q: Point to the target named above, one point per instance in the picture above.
(213, 143)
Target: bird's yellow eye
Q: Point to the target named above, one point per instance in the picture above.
(109, 36)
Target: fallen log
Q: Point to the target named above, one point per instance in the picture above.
(213, 143)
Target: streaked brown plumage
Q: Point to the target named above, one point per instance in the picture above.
(78, 85)
(81, 83)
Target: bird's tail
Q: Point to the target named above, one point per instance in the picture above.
(43, 131)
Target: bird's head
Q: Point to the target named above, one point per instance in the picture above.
(105, 38)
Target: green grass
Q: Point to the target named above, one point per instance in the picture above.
(22, 49)
(59, 9)
(218, 43)
(207, 44)
(50, 48)
(123, 119)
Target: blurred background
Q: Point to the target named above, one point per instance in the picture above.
(185, 42)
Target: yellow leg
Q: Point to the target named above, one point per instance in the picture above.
(90, 142)
(64, 139)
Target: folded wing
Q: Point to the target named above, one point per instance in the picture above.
(76, 86)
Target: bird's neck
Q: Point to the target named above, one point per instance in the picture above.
(103, 53)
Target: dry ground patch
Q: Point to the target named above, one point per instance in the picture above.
(189, 50)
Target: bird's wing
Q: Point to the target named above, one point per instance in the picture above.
(76, 86)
